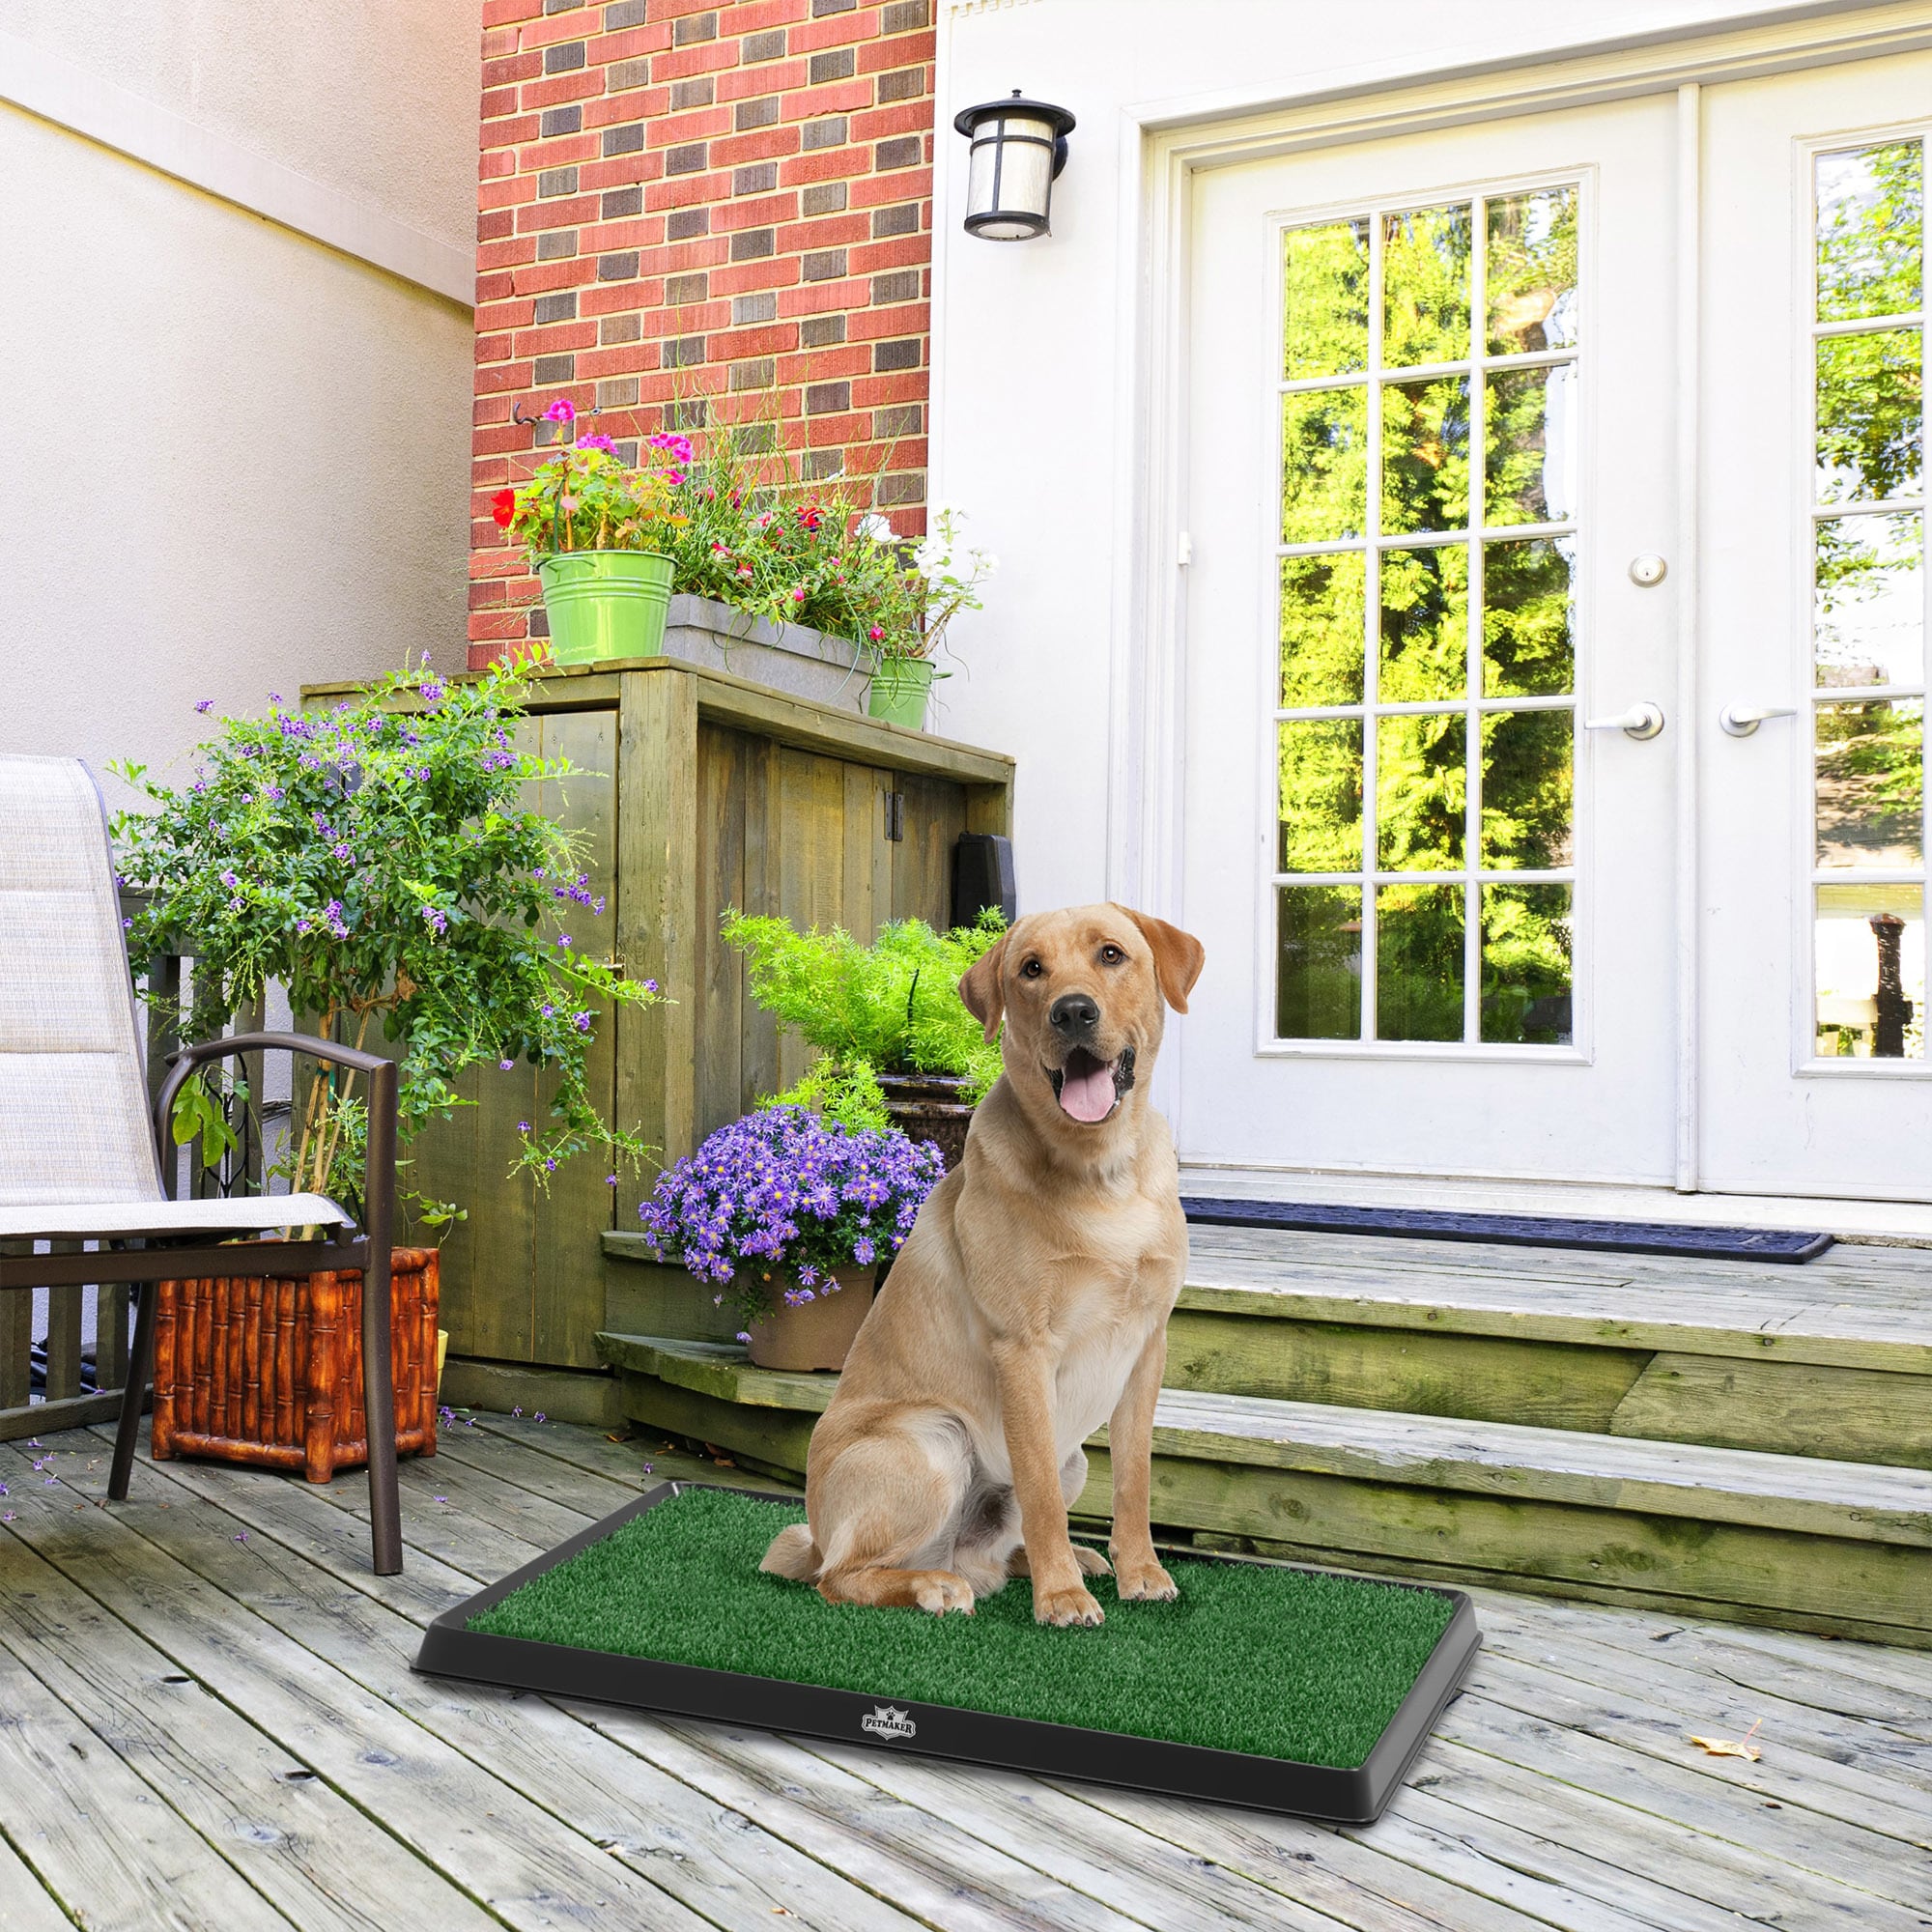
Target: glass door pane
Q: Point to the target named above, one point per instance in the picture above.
(1868, 602)
(1425, 716)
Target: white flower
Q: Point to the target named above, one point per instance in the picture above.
(879, 528)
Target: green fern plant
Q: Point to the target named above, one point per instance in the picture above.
(893, 1006)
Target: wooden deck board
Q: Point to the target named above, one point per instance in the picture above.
(1851, 1315)
(1561, 1790)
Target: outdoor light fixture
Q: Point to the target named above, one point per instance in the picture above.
(1019, 148)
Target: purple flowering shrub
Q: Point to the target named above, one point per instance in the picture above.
(776, 1201)
(380, 863)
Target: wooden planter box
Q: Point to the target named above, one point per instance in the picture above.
(269, 1370)
(698, 790)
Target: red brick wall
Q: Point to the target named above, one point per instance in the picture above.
(705, 211)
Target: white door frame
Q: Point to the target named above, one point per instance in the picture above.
(1161, 143)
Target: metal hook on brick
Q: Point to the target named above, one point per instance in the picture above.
(522, 421)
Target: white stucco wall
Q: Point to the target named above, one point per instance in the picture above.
(1025, 406)
(235, 460)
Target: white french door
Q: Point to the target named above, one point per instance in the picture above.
(1429, 428)
(1431, 832)
(1814, 1072)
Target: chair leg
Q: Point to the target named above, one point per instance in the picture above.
(140, 1362)
(379, 1408)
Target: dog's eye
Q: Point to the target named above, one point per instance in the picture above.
(1111, 955)
(1032, 970)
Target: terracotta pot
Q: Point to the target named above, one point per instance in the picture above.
(817, 1334)
(269, 1369)
(930, 1107)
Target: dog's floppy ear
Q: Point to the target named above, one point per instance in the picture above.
(1178, 956)
(986, 998)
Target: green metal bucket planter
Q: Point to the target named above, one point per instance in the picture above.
(605, 603)
(900, 688)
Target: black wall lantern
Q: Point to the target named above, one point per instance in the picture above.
(1019, 148)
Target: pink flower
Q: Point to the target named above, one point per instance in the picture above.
(602, 443)
(875, 633)
(798, 595)
(562, 410)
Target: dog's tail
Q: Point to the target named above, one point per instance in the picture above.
(793, 1554)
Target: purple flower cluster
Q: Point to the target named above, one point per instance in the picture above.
(783, 1191)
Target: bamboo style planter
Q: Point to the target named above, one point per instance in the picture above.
(269, 1370)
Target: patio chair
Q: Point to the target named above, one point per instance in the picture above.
(80, 1157)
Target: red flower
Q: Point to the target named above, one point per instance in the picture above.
(503, 506)
(809, 516)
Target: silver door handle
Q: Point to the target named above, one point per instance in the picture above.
(1641, 721)
(1741, 721)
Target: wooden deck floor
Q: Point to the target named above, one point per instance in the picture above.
(208, 1720)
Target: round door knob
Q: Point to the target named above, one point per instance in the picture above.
(1648, 569)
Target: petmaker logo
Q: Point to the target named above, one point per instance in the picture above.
(886, 1720)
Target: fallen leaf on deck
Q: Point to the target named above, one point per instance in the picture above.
(1725, 1748)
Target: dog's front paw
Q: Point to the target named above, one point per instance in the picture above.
(1091, 1563)
(1145, 1583)
(940, 1591)
(1073, 1603)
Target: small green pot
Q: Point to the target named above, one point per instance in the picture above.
(901, 687)
(605, 603)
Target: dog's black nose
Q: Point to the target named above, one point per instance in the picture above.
(1074, 1013)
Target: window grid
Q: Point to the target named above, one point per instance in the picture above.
(1828, 1008)
(1475, 533)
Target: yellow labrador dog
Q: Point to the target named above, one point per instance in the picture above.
(1028, 1305)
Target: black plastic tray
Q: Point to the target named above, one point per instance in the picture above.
(1354, 1797)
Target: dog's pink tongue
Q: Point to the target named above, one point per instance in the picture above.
(1088, 1096)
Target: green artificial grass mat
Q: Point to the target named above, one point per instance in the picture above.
(1283, 1663)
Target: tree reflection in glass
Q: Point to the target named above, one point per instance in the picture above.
(1870, 409)
(1318, 977)
(1419, 962)
(1323, 622)
(1426, 455)
(1527, 946)
(1868, 600)
(1421, 782)
(1871, 205)
(1324, 277)
(1321, 813)
(1529, 446)
(1870, 784)
(1526, 790)
(1531, 272)
(1425, 624)
(1360, 506)
(1528, 595)
(1324, 438)
(1426, 255)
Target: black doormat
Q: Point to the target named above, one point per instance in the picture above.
(1520, 1230)
(1267, 1685)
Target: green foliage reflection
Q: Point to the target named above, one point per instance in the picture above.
(1325, 275)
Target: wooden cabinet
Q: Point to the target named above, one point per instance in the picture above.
(698, 792)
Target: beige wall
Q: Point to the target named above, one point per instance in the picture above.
(235, 460)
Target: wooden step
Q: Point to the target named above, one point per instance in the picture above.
(1833, 1359)
(1804, 1543)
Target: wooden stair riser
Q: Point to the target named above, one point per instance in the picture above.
(1743, 1572)
(1732, 1402)
(1486, 1378)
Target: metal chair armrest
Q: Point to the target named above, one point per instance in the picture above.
(379, 1208)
